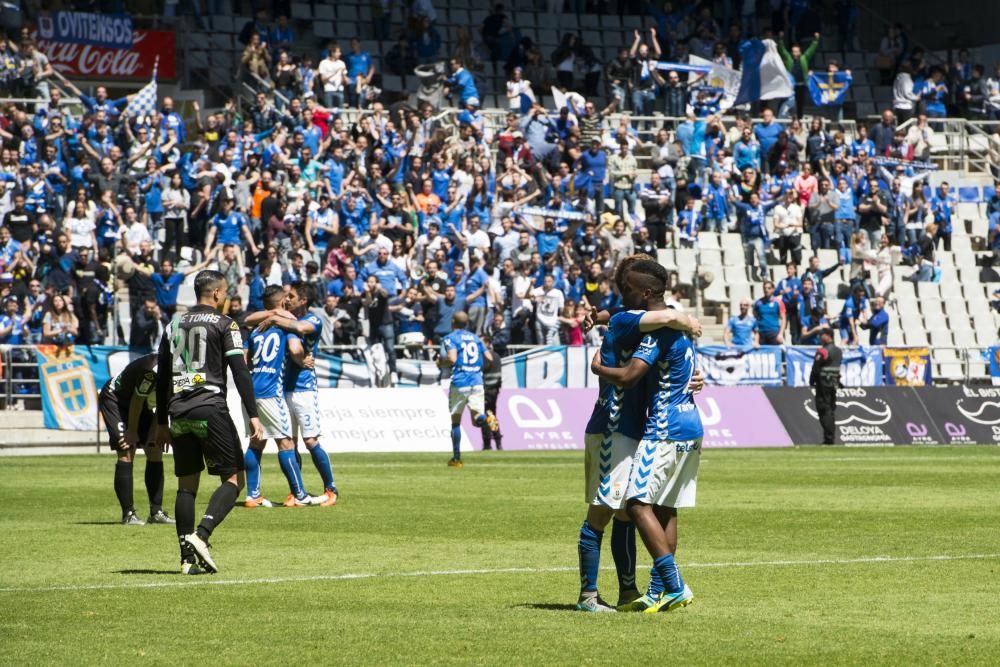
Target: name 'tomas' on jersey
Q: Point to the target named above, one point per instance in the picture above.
(468, 368)
(620, 410)
(298, 378)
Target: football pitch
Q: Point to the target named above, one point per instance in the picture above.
(804, 556)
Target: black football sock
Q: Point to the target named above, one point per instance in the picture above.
(219, 505)
(184, 512)
(123, 485)
(154, 485)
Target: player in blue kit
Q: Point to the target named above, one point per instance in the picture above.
(267, 352)
(464, 353)
(611, 438)
(665, 469)
(301, 387)
(229, 227)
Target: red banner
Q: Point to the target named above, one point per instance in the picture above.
(83, 61)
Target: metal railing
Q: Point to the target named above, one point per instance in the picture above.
(21, 387)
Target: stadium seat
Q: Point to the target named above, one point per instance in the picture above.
(965, 338)
(738, 292)
(951, 371)
(929, 290)
(709, 241)
(968, 194)
(301, 11)
(324, 29)
(711, 259)
(940, 337)
(917, 337)
(715, 292)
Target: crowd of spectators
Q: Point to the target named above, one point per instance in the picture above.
(400, 216)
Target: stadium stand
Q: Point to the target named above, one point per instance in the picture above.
(276, 137)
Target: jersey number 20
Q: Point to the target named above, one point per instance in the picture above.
(190, 348)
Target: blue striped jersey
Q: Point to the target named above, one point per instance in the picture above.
(296, 377)
(673, 414)
(619, 410)
(267, 362)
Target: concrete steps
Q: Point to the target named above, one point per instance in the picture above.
(24, 430)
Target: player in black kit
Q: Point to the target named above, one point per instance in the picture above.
(197, 349)
(126, 403)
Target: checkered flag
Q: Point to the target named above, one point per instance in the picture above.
(143, 105)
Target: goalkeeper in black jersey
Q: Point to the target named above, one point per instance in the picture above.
(191, 390)
(126, 403)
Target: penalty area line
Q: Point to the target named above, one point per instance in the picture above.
(209, 580)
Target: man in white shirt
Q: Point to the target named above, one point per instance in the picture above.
(476, 240)
(505, 242)
(521, 305)
(428, 243)
(550, 303)
(332, 75)
(788, 223)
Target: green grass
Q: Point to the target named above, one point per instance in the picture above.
(409, 513)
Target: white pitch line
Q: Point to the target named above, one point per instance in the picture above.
(210, 581)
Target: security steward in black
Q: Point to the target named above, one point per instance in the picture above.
(825, 378)
(492, 380)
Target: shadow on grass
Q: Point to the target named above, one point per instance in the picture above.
(547, 606)
(170, 572)
(97, 523)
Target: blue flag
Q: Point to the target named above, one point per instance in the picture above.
(829, 89)
(764, 74)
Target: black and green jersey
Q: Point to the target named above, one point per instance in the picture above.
(138, 379)
(197, 346)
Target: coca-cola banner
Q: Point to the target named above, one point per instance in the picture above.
(110, 30)
(134, 63)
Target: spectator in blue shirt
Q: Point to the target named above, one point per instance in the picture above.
(790, 290)
(13, 327)
(167, 283)
(851, 315)
(741, 330)
(349, 276)
(943, 206)
(360, 70)
(475, 296)
(448, 304)
(934, 92)
(878, 323)
(767, 132)
(389, 275)
(591, 168)
(229, 227)
(462, 84)
(770, 314)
